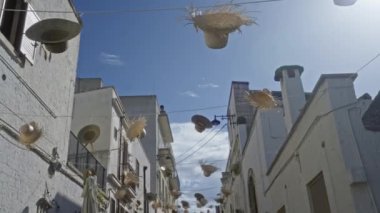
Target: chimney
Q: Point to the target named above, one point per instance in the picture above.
(87, 84)
(293, 95)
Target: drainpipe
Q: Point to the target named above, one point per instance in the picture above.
(120, 156)
(146, 205)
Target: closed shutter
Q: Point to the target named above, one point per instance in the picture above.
(28, 46)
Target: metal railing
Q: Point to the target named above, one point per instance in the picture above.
(82, 159)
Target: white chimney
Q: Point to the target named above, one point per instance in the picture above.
(293, 95)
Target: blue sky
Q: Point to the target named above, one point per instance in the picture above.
(157, 53)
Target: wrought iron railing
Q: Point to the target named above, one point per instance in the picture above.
(82, 159)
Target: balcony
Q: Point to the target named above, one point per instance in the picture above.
(166, 159)
(82, 159)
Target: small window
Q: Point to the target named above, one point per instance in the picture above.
(113, 206)
(137, 169)
(115, 133)
(318, 195)
(12, 22)
(291, 74)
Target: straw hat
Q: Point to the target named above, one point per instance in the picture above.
(185, 204)
(136, 128)
(201, 122)
(130, 178)
(30, 133)
(54, 33)
(226, 192)
(261, 99)
(208, 169)
(217, 23)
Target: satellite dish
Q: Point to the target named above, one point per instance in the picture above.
(29, 133)
(201, 122)
(89, 134)
(54, 33)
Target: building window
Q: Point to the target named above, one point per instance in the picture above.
(12, 22)
(282, 210)
(252, 192)
(113, 206)
(13, 25)
(318, 195)
(137, 169)
(115, 133)
(291, 74)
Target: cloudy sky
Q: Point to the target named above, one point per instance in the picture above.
(141, 52)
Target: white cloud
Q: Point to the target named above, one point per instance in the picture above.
(190, 93)
(215, 150)
(208, 85)
(111, 59)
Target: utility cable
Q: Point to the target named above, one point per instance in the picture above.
(191, 154)
(107, 12)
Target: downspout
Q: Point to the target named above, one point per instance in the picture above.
(146, 205)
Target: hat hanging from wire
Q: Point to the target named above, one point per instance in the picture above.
(207, 169)
(344, 2)
(30, 133)
(217, 23)
(261, 99)
(136, 128)
(54, 33)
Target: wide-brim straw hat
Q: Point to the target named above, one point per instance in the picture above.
(208, 169)
(201, 122)
(53, 30)
(136, 128)
(30, 133)
(226, 192)
(261, 99)
(221, 19)
(131, 178)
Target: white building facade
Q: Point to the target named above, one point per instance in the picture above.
(31, 176)
(309, 154)
(113, 153)
(164, 183)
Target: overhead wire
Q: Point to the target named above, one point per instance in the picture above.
(191, 154)
(107, 12)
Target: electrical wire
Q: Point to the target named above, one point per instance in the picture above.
(111, 12)
(198, 142)
(191, 154)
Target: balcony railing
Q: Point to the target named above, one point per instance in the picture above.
(82, 159)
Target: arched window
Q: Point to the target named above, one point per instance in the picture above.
(252, 192)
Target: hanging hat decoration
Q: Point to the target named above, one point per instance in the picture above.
(219, 200)
(217, 23)
(201, 123)
(185, 204)
(344, 2)
(130, 178)
(156, 204)
(136, 128)
(88, 135)
(226, 192)
(176, 194)
(207, 169)
(54, 33)
(30, 133)
(261, 99)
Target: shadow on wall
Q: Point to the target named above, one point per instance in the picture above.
(63, 204)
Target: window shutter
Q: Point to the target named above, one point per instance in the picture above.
(28, 46)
